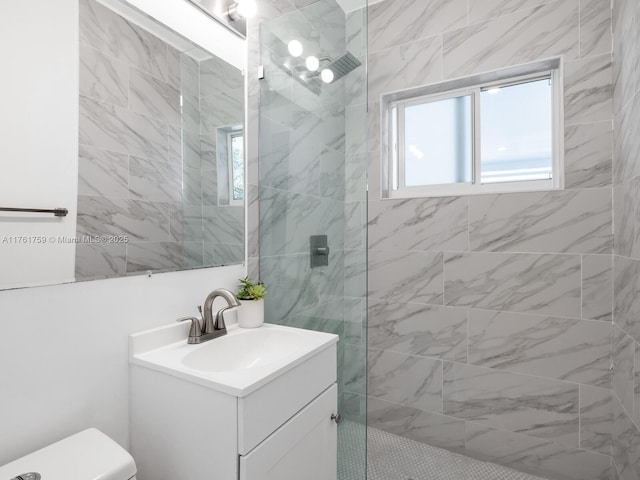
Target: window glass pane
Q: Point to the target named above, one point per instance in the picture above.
(438, 142)
(517, 132)
(237, 160)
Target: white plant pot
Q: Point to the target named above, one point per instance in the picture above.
(251, 313)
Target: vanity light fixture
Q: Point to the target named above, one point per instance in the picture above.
(295, 48)
(312, 63)
(242, 9)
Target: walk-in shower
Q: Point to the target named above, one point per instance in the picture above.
(311, 109)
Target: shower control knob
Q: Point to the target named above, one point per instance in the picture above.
(336, 418)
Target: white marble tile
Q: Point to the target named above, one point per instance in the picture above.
(406, 380)
(332, 173)
(156, 256)
(119, 130)
(94, 261)
(624, 208)
(405, 66)
(223, 109)
(623, 365)
(154, 181)
(596, 419)
(425, 330)
(223, 225)
(624, 48)
(419, 224)
(425, 427)
(217, 76)
(578, 221)
(396, 22)
(595, 27)
(406, 276)
(141, 221)
(525, 283)
(524, 36)
(480, 10)
(173, 67)
(288, 162)
(102, 173)
(627, 142)
(626, 444)
(103, 78)
(253, 221)
(597, 287)
(112, 34)
(535, 456)
(189, 76)
(534, 406)
(627, 297)
(287, 220)
(588, 155)
(636, 385)
(154, 98)
(564, 349)
(588, 90)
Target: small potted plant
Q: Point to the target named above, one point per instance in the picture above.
(251, 296)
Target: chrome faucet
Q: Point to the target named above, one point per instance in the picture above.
(211, 329)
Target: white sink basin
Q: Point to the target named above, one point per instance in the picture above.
(252, 349)
(238, 363)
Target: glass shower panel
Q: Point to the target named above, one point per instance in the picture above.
(313, 181)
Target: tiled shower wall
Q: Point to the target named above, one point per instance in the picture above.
(490, 317)
(142, 171)
(626, 347)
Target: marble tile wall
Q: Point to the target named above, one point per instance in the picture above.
(490, 317)
(147, 164)
(626, 346)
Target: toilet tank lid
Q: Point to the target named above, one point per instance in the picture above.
(88, 455)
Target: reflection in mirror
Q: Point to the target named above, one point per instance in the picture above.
(161, 152)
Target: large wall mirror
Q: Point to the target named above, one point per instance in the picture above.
(157, 182)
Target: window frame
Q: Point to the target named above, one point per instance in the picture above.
(393, 132)
(230, 136)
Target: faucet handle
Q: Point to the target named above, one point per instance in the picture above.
(196, 329)
(220, 323)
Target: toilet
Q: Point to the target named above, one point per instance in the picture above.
(88, 455)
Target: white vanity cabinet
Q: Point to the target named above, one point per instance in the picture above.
(188, 425)
(303, 448)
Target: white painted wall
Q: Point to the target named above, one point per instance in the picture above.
(38, 137)
(64, 351)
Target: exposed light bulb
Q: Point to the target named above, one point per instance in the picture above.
(242, 9)
(312, 63)
(295, 48)
(327, 75)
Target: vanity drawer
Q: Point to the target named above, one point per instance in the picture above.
(265, 410)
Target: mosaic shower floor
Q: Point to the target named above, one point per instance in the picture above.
(396, 458)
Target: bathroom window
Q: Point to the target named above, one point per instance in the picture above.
(503, 134)
(235, 147)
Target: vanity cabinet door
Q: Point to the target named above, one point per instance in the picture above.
(304, 448)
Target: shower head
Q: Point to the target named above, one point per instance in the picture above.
(343, 65)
